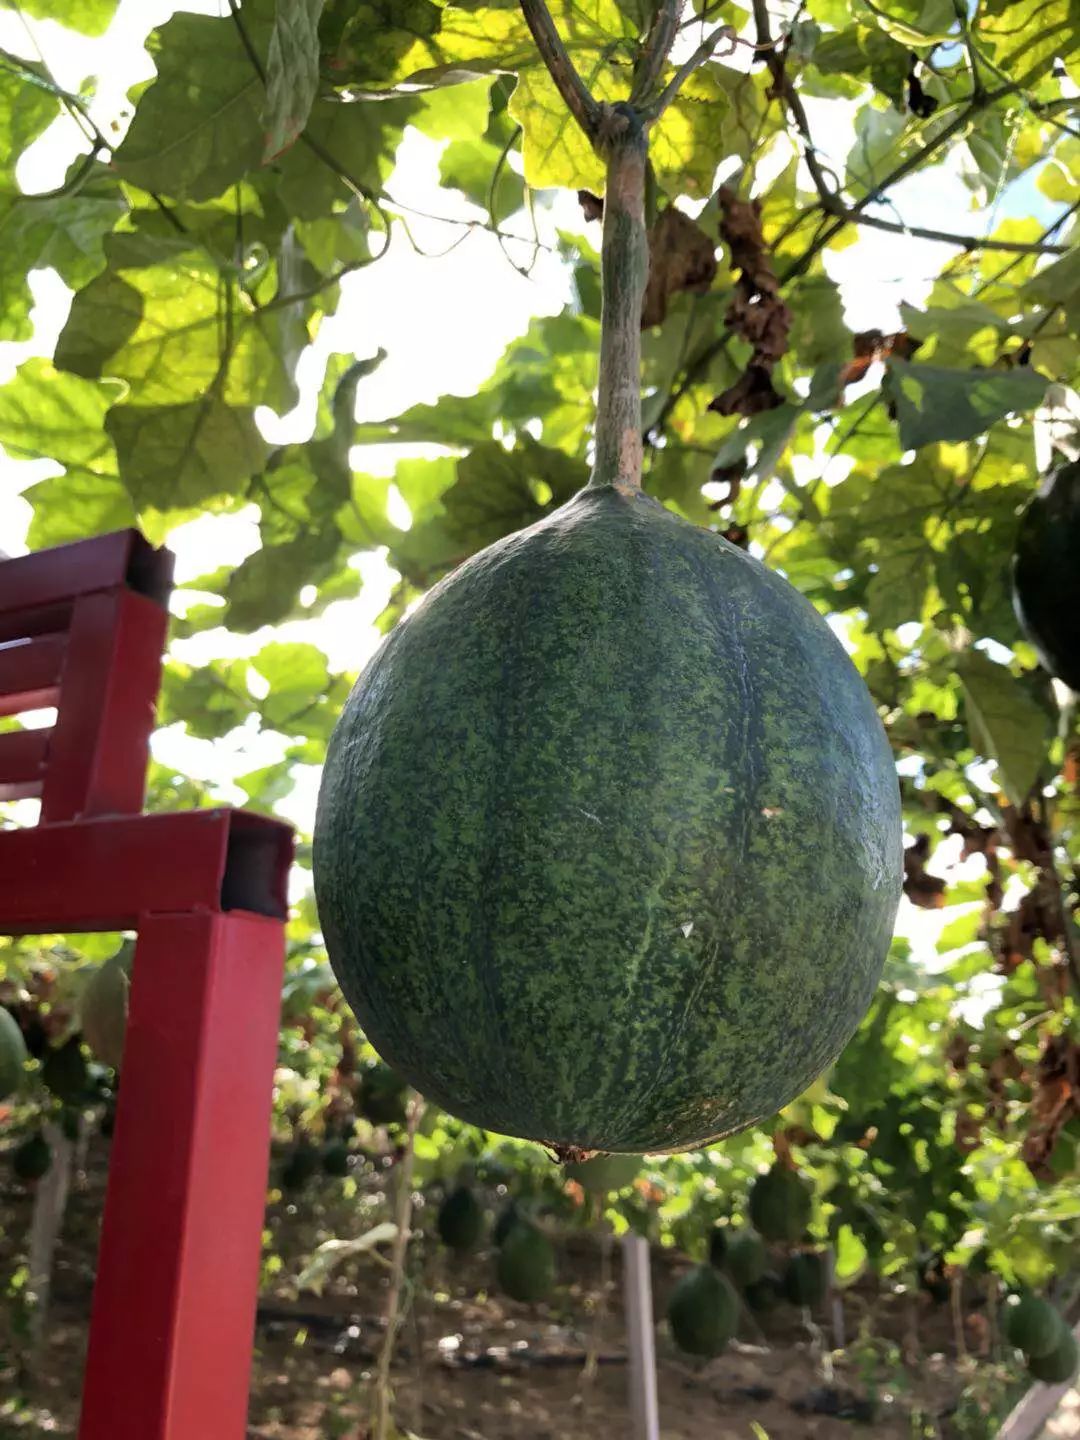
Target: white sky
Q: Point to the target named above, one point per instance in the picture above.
(443, 322)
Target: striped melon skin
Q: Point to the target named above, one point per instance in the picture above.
(608, 845)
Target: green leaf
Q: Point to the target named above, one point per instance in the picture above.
(45, 414)
(174, 456)
(292, 72)
(555, 149)
(199, 128)
(933, 403)
(873, 154)
(460, 113)
(471, 165)
(1025, 37)
(164, 319)
(298, 678)
(211, 699)
(63, 233)
(359, 141)
(916, 25)
(28, 107)
(499, 491)
(76, 505)
(850, 1256)
(89, 17)
(898, 588)
(263, 589)
(1006, 724)
(768, 432)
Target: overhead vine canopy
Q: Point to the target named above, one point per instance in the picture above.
(206, 235)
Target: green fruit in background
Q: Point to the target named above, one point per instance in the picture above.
(718, 1245)
(1046, 576)
(461, 1219)
(746, 1258)
(64, 1072)
(804, 1279)
(31, 1159)
(765, 1294)
(780, 1205)
(507, 1218)
(383, 1096)
(300, 1167)
(703, 1312)
(563, 818)
(604, 1173)
(1061, 1364)
(335, 1159)
(13, 1054)
(104, 1006)
(1034, 1326)
(526, 1265)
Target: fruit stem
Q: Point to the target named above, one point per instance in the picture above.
(624, 262)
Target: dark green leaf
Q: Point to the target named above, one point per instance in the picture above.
(199, 128)
(89, 17)
(292, 72)
(1006, 724)
(934, 404)
(174, 456)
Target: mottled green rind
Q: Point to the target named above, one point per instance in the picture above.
(508, 1217)
(804, 1280)
(780, 1205)
(746, 1258)
(64, 1072)
(1033, 1326)
(1046, 574)
(608, 847)
(525, 1268)
(335, 1159)
(381, 1099)
(13, 1055)
(31, 1160)
(703, 1312)
(1061, 1363)
(461, 1220)
(764, 1294)
(301, 1165)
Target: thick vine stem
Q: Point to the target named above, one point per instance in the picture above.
(657, 47)
(624, 264)
(381, 1427)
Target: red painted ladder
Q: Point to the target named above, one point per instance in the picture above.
(82, 628)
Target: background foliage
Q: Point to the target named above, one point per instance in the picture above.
(207, 236)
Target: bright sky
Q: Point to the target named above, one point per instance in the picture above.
(471, 302)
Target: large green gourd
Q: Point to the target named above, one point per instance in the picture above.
(1046, 573)
(13, 1054)
(608, 845)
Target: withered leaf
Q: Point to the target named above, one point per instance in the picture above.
(681, 257)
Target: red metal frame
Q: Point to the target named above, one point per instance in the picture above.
(82, 627)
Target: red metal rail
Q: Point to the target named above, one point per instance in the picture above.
(82, 628)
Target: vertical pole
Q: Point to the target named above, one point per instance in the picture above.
(174, 1303)
(637, 1292)
(834, 1301)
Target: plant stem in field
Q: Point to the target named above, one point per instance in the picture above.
(380, 1428)
(624, 266)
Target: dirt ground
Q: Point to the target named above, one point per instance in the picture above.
(471, 1365)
